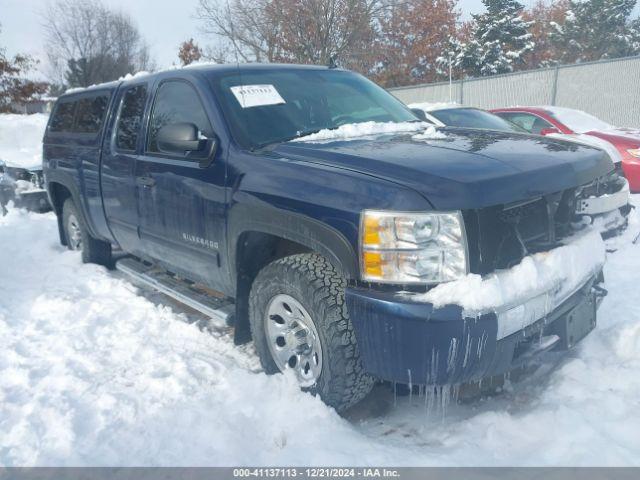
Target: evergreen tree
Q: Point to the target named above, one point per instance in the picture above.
(597, 29)
(547, 18)
(500, 39)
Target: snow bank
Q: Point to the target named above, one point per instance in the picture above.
(564, 267)
(94, 371)
(354, 130)
(21, 139)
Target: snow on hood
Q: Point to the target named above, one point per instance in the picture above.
(431, 133)
(577, 120)
(21, 139)
(630, 133)
(364, 129)
(566, 267)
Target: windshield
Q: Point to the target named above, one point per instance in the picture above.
(264, 107)
(473, 118)
(578, 121)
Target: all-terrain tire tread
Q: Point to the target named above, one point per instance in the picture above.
(346, 383)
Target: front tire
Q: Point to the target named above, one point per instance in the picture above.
(78, 237)
(299, 321)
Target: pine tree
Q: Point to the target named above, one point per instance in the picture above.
(598, 29)
(500, 40)
(547, 17)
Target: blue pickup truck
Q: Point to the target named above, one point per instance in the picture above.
(315, 213)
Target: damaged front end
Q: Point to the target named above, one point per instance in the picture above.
(535, 282)
(605, 203)
(501, 236)
(23, 187)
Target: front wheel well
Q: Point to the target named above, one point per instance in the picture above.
(254, 251)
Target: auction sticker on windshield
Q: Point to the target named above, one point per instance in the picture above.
(257, 95)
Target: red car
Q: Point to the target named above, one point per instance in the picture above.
(623, 145)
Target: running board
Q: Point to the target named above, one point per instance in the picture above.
(216, 307)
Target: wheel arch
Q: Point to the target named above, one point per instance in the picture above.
(256, 242)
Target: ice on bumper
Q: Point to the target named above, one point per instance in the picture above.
(528, 291)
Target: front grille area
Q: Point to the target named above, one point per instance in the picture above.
(499, 237)
(35, 176)
(606, 185)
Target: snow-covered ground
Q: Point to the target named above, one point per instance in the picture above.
(21, 139)
(94, 371)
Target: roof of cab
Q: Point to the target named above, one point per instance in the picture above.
(202, 68)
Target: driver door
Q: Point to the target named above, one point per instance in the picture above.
(181, 202)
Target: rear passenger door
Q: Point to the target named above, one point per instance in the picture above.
(181, 200)
(119, 188)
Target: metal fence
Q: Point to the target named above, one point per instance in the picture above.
(608, 89)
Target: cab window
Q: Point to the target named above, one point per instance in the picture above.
(62, 120)
(130, 119)
(91, 113)
(176, 102)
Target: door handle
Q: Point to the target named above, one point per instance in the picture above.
(146, 181)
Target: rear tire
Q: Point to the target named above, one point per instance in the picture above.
(309, 291)
(78, 237)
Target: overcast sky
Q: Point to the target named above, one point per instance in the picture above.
(163, 23)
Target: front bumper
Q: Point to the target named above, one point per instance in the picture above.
(609, 212)
(604, 203)
(33, 200)
(406, 341)
(25, 192)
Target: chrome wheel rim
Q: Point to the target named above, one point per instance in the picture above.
(75, 234)
(293, 339)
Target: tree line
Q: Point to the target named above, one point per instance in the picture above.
(404, 42)
(395, 42)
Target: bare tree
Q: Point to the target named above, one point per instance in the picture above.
(245, 26)
(88, 43)
(302, 31)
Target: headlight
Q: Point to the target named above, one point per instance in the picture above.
(634, 152)
(412, 247)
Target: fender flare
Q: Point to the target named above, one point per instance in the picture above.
(302, 229)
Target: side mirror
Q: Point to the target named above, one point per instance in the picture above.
(549, 131)
(184, 139)
(420, 114)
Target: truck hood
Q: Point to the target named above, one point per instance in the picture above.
(466, 169)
